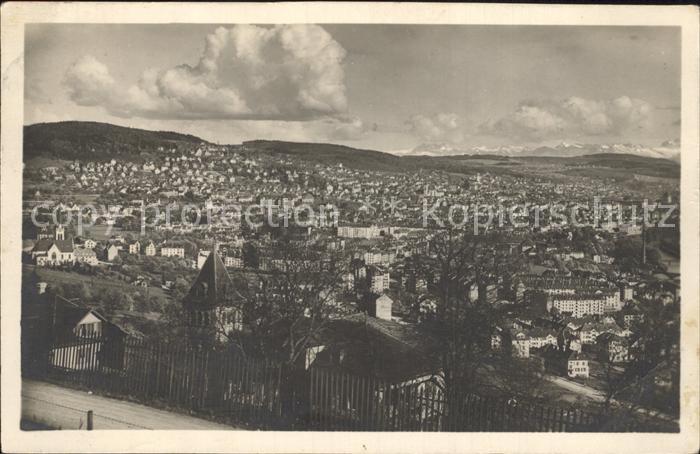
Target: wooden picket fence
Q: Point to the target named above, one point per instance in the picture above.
(341, 401)
(221, 383)
(224, 383)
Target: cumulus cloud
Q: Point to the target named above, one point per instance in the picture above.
(538, 120)
(88, 81)
(443, 127)
(346, 129)
(286, 72)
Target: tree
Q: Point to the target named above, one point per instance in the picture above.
(288, 309)
(519, 379)
(114, 300)
(156, 304)
(251, 258)
(179, 289)
(461, 326)
(653, 345)
(173, 317)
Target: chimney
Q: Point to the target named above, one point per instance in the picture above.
(41, 287)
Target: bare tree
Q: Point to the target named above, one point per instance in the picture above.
(629, 387)
(286, 308)
(462, 326)
(521, 379)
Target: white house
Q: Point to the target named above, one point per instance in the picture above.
(540, 338)
(134, 247)
(233, 262)
(577, 365)
(101, 341)
(578, 305)
(382, 307)
(112, 252)
(150, 249)
(85, 255)
(359, 232)
(172, 251)
(380, 281)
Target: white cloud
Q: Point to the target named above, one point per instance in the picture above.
(285, 72)
(443, 127)
(235, 131)
(346, 129)
(539, 120)
(88, 81)
(42, 113)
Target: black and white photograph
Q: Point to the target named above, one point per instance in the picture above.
(313, 226)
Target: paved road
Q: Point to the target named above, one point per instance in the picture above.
(599, 396)
(66, 408)
(577, 388)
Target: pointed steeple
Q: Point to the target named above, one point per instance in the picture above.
(211, 286)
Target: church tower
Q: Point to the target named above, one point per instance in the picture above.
(60, 234)
(210, 304)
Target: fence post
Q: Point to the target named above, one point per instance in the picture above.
(89, 420)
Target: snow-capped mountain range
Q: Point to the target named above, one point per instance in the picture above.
(667, 150)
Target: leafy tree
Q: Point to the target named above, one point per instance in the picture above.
(180, 289)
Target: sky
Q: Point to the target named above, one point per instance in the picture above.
(384, 87)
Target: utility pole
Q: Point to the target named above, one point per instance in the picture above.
(644, 241)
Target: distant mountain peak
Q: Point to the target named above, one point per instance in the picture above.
(667, 150)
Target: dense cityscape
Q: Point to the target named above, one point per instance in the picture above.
(351, 227)
(548, 310)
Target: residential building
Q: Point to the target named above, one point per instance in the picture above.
(577, 365)
(102, 342)
(540, 337)
(521, 344)
(150, 249)
(382, 307)
(233, 262)
(111, 252)
(614, 348)
(379, 257)
(134, 247)
(368, 232)
(172, 251)
(379, 280)
(580, 305)
(85, 255)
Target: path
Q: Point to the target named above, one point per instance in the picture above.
(577, 388)
(67, 408)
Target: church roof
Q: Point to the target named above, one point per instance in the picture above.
(211, 286)
(43, 245)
